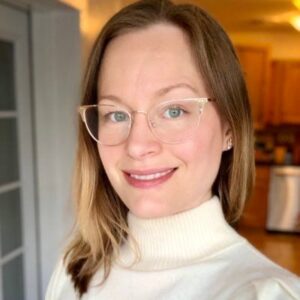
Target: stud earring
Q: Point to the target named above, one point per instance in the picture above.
(229, 144)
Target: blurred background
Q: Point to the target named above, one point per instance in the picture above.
(44, 47)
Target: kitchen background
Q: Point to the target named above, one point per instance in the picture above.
(44, 46)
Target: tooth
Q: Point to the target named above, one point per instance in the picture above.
(150, 176)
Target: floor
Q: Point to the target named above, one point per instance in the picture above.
(284, 249)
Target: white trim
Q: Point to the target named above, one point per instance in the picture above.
(9, 187)
(13, 254)
(26, 162)
(56, 91)
(8, 114)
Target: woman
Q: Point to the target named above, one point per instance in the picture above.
(164, 165)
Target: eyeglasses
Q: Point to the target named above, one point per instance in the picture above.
(171, 122)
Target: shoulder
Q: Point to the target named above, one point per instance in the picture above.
(259, 263)
(60, 285)
(287, 288)
(260, 278)
(245, 258)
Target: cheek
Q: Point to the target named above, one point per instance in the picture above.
(202, 156)
(103, 156)
(206, 147)
(109, 157)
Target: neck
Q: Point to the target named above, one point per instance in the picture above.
(177, 240)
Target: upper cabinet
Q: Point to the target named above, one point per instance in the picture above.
(273, 87)
(255, 61)
(285, 93)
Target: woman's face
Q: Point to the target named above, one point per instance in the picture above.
(136, 66)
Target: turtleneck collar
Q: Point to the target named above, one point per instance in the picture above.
(178, 240)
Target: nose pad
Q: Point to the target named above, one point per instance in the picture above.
(153, 124)
(141, 141)
(144, 122)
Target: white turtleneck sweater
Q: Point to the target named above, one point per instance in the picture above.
(191, 255)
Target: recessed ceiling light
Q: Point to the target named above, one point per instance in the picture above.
(297, 3)
(295, 22)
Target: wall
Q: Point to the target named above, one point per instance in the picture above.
(93, 15)
(283, 44)
(56, 85)
(97, 14)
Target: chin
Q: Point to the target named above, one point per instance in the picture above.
(150, 211)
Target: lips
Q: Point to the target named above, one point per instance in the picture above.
(151, 176)
(148, 178)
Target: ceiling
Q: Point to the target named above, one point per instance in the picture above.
(249, 14)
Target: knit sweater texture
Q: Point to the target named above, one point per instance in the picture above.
(191, 255)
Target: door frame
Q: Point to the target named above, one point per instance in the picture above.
(15, 29)
(55, 51)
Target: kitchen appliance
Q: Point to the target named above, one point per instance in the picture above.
(284, 199)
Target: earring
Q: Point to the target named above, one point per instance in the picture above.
(229, 144)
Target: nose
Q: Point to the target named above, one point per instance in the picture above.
(141, 142)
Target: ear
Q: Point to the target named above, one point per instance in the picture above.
(227, 137)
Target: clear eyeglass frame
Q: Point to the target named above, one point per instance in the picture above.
(202, 101)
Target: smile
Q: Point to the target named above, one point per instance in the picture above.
(149, 179)
(151, 176)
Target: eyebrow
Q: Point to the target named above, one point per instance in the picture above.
(160, 92)
(167, 89)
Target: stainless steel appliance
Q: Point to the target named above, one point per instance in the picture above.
(284, 199)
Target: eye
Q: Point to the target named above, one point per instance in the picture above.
(117, 116)
(173, 112)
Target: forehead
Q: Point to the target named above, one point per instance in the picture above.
(143, 61)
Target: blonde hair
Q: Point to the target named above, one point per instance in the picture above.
(101, 225)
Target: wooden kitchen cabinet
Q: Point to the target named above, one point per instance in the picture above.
(255, 212)
(285, 92)
(255, 61)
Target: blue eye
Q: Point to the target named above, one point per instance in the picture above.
(118, 116)
(173, 112)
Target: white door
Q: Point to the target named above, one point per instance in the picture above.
(18, 231)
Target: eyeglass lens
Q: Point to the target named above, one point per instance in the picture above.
(170, 122)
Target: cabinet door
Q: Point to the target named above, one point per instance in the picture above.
(255, 212)
(285, 92)
(256, 67)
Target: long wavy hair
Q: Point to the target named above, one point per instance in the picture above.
(101, 225)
